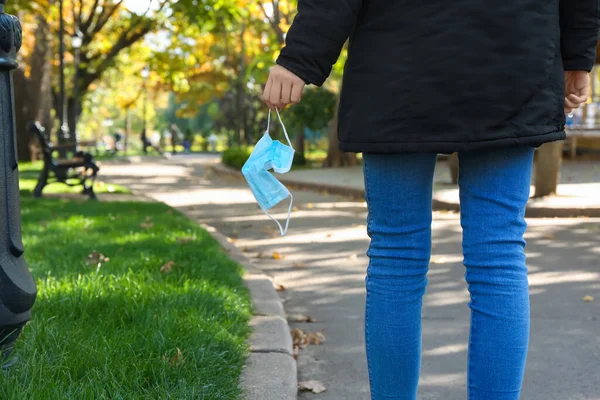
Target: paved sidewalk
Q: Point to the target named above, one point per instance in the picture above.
(578, 192)
(322, 266)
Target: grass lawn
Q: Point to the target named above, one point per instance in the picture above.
(165, 317)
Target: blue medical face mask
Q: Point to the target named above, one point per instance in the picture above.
(270, 154)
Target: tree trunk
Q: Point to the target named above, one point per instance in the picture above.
(30, 92)
(335, 157)
(299, 146)
(547, 171)
(453, 164)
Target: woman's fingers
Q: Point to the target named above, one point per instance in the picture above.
(275, 97)
(267, 93)
(296, 93)
(286, 93)
(283, 88)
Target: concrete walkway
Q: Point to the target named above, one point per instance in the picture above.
(579, 187)
(322, 266)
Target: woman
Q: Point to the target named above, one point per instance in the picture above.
(488, 79)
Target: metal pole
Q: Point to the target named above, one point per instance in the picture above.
(17, 287)
(75, 109)
(63, 132)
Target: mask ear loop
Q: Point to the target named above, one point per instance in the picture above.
(282, 125)
(287, 222)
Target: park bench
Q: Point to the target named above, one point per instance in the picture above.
(576, 132)
(80, 170)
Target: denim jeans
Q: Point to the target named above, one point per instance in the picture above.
(494, 188)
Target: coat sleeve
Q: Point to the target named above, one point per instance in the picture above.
(579, 25)
(316, 37)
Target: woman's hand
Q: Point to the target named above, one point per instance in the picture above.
(283, 88)
(577, 87)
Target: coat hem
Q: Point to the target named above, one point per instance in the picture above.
(450, 147)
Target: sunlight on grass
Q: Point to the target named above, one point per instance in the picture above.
(113, 329)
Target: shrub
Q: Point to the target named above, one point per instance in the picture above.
(236, 156)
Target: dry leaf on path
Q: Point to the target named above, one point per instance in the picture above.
(231, 240)
(259, 255)
(295, 208)
(277, 256)
(279, 288)
(328, 235)
(299, 264)
(300, 318)
(309, 205)
(588, 299)
(315, 338)
(296, 351)
(168, 267)
(549, 236)
(299, 338)
(312, 386)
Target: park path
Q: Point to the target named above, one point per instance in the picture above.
(322, 266)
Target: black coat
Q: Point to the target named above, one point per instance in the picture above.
(445, 76)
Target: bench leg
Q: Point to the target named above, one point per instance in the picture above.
(42, 181)
(88, 184)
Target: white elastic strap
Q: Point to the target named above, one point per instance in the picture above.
(282, 126)
(287, 222)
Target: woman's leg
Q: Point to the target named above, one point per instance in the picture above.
(398, 192)
(494, 188)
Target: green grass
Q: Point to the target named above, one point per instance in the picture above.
(29, 173)
(112, 331)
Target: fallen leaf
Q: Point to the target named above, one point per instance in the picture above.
(298, 264)
(96, 258)
(299, 338)
(549, 236)
(259, 255)
(315, 338)
(184, 240)
(165, 269)
(312, 386)
(245, 249)
(295, 208)
(296, 351)
(146, 225)
(177, 359)
(309, 205)
(328, 235)
(277, 256)
(231, 240)
(588, 299)
(279, 288)
(300, 318)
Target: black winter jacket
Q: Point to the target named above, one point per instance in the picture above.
(445, 76)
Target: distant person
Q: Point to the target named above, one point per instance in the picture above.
(147, 143)
(174, 137)
(491, 80)
(212, 142)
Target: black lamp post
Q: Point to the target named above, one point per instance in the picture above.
(17, 287)
(76, 43)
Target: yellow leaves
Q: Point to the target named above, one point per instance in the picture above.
(277, 256)
(279, 287)
(312, 386)
(168, 267)
(302, 339)
(588, 299)
(309, 206)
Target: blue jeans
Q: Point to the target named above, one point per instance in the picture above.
(494, 188)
